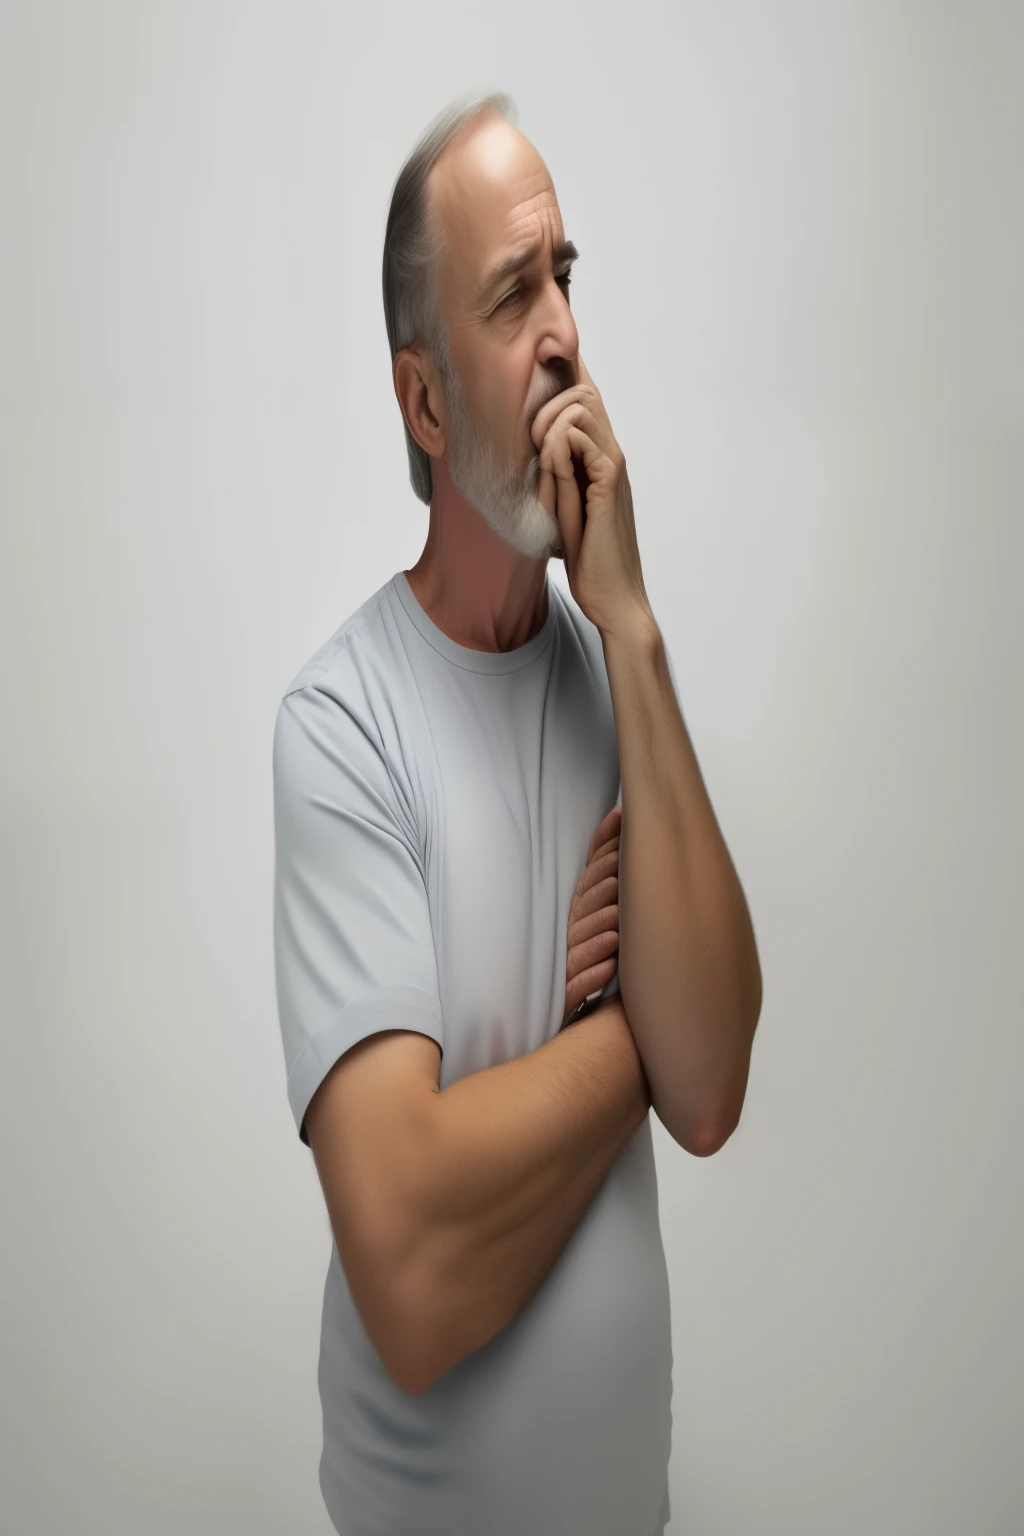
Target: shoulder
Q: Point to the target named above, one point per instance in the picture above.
(335, 698)
(339, 727)
(338, 661)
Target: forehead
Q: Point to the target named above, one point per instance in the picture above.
(494, 196)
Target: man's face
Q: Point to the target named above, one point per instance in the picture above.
(513, 341)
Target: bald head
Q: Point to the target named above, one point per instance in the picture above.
(494, 198)
(509, 342)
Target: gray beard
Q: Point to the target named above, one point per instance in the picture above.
(505, 498)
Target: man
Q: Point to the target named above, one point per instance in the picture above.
(496, 1351)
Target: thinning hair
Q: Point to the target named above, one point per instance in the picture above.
(413, 252)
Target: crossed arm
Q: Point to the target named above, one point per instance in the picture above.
(464, 1198)
(689, 975)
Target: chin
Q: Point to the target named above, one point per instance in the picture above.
(545, 527)
(532, 532)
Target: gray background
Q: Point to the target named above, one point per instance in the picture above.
(802, 240)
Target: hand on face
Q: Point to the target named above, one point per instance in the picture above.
(583, 484)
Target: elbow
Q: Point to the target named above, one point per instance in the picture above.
(415, 1354)
(709, 1133)
(411, 1383)
(415, 1372)
(714, 1133)
(408, 1369)
(399, 1347)
(705, 1135)
(709, 1139)
(701, 1139)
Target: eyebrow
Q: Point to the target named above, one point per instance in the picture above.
(566, 252)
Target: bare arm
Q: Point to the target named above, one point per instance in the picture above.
(449, 1208)
(513, 1157)
(688, 964)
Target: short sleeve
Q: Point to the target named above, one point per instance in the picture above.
(353, 944)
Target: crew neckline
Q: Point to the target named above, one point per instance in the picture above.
(463, 655)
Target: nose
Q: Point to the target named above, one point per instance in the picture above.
(561, 340)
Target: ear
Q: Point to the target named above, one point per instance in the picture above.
(421, 398)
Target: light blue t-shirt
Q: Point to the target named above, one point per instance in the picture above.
(434, 807)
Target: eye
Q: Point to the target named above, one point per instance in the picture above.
(517, 293)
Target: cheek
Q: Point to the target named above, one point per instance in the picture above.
(504, 382)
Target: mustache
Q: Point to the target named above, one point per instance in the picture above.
(565, 378)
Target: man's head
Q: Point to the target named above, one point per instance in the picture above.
(477, 352)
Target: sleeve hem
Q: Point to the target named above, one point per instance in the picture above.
(394, 1007)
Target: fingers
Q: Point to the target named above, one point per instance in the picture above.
(588, 981)
(602, 920)
(547, 491)
(582, 957)
(593, 934)
(598, 869)
(604, 894)
(558, 477)
(582, 391)
(609, 827)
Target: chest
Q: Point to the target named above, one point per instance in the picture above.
(523, 781)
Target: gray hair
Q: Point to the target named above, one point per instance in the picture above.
(413, 251)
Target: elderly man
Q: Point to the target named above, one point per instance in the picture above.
(455, 883)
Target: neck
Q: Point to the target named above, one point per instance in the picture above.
(477, 589)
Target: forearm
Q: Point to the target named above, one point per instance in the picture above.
(518, 1152)
(687, 961)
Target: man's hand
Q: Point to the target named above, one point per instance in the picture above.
(593, 933)
(583, 483)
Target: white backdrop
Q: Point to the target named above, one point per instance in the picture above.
(802, 240)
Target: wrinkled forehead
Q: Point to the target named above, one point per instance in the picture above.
(494, 195)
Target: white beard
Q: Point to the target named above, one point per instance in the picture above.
(505, 498)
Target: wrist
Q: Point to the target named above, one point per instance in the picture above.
(635, 630)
